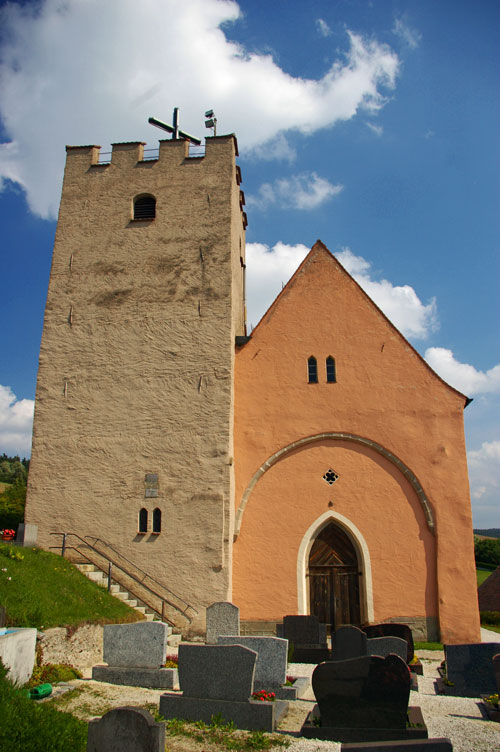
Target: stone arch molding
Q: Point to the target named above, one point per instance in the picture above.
(339, 436)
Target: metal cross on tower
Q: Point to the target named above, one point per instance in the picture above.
(174, 129)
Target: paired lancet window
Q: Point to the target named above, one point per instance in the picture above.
(144, 207)
(143, 521)
(312, 370)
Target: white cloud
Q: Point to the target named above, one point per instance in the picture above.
(411, 37)
(276, 148)
(484, 477)
(92, 72)
(323, 27)
(305, 191)
(463, 376)
(376, 129)
(400, 303)
(268, 269)
(16, 420)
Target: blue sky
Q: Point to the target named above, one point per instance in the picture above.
(371, 125)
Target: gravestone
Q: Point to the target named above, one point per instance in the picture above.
(363, 699)
(270, 668)
(470, 668)
(223, 618)
(126, 729)
(307, 637)
(217, 680)
(385, 645)
(348, 642)
(135, 654)
(441, 744)
(3, 616)
(496, 669)
(389, 629)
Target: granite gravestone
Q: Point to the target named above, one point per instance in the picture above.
(384, 645)
(270, 669)
(388, 629)
(440, 744)
(348, 642)
(363, 692)
(126, 730)
(304, 630)
(470, 668)
(223, 618)
(496, 670)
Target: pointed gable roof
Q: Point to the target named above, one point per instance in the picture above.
(488, 593)
(319, 249)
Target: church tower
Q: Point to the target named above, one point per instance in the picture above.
(133, 430)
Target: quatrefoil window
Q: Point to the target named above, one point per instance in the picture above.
(330, 477)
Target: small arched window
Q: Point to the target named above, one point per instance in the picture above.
(312, 370)
(145, 207)
(331, 377)
(143, 521)
(157, 521)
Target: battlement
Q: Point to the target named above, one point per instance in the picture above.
(131, 153)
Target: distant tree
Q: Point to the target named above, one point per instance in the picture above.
(13, 470)
(487, 551)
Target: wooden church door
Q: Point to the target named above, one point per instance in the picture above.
(333, 579)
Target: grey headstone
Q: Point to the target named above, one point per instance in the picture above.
(126, 730)
(223, 618)
(270, 669)
(496, 670)
(222, 672)
(392, 629)
(27, 534)
(470, 668)
(141, 644)
(365, 692)
(348, 642)
(385, 645)
(153, 678)
(410, 745)
(303, 630)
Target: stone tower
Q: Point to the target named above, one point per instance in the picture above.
(133, 430)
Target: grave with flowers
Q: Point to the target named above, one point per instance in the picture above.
(218, 680)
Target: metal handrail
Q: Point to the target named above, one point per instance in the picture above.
(164, 600)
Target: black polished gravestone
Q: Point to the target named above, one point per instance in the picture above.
(496, 669)
(348, 642)
(392, 630)
(308, 638)
(363, 699)
(469, 669)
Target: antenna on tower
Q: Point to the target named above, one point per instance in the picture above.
(174, 129)
(212, 121)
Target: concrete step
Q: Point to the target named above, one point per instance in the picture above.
(98, 577)
(86, 567)
(130, 602)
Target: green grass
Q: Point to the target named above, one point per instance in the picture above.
(491, 627)
(26, 725)
(428, 646)
(224, 735)
(482, 575)
(40, 589)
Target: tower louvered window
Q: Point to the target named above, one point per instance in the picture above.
(145, 207)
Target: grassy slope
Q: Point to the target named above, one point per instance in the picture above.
(482, 575)
(40, 589)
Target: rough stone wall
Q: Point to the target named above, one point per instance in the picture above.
(136, 362)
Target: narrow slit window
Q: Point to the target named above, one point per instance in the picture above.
(331, 377)
(157, 521)
(145, 207)
(143, 521)
(312, 370)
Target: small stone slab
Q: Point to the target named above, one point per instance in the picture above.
(390, 629)
(415, 730)
(313, 655)
(364, 692)
(470, 668)
(496, 670)
(385, 645)
(139, 645)
(221, 672)
(252, 715)
(126, 729)
(348, 642)
(491, 711)
(304, 630)
(410, 745)
(152, 678)
(298, 690)
(270, 669)
(223, 618)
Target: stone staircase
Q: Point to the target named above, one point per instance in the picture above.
(95, 574)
